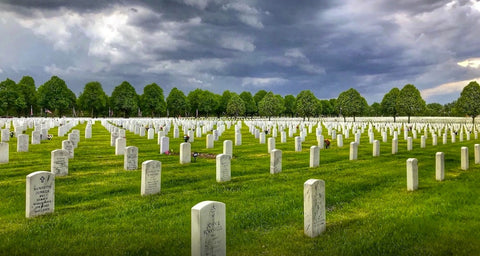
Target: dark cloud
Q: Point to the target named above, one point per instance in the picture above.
(283, 46)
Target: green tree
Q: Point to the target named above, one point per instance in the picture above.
(351, 103)
(177, 103)
(224, 102)
(469, 101)
(290, 105)
(93, 99)
(451, 109)
(375, 109)
(11, 98)
(307, 104)
(389, 103)
(409, 101)
(124, 99)
(335, 107)
(55, 95)
(434, 109)
(29, 92)
(152, 100)
(235, 106)
(259, 96)
(195, 99)
(250, 105)
(202, 101)
(282, 104)
(269, 105)
(327, 108)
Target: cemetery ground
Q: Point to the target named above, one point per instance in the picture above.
(99, 209)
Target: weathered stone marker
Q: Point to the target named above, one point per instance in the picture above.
(412, 174)
(74, 138)
(376, 148)
(422, 141)
(409, 143)
(434, 140)
(59, 162)
(67, 145)
(440, 166)
(276, 161)
(314, 156)
(164, 144)
(40, 194)
(339, 140)
(120, 145)
(151, 177)
(228, 148)
(130, 160)
(476, 152)
(22, 143)
(4, 152)
(298, 144)
(208, 230)
(185, 153)
(464, 158)
(223, 168)
(36, 137)
(353, 150)
(209, 141)
(270, 144)
(238, 139)
(314, 222)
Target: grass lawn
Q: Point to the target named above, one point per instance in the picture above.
(99, 209)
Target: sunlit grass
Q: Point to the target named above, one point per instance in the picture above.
(99, 210)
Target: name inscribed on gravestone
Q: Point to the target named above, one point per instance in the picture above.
(151, 177)
(40, 195)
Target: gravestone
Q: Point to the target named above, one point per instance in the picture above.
(68, 146)
(164, 144)
(353, 150)
(453, 137)
(262, 138)
(339, 140)
(444, 139)
(464, 158)
(476, 152)
(376, 148)
(271, 145)
(88, 132)
(22, 143)
(275, 161)
(130, 160)
(321, 141)
(434, 140)
(120, 145)
(40, 194)
(74, 138)
(409, 143)
(151, 134)
(298, 144)
(223, 167)
(238, 139)
(412, 174)
(151, 177)
(190, 135)
(5, 135)
(4, 152)
(422, 141)
(314, 156)
(439, 166)
(228, 148)
(283, 137)
(185, 153)
(357, 138)
(160, 134)
(141, 131)
(209, 141)
(59, 162)
(314, 221)
(35, 137)
(208, 229)
(113, 138)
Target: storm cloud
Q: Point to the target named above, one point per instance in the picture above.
(283, 46)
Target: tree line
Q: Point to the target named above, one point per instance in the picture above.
(56, 99)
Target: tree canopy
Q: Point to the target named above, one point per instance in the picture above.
(269, 106)
(124, 100)
(235, 106)
(469, 101)
(177, 103)
(409, 101)
(250, 105)
(389, 103)
(12, 101)
(93, 99)
(351, 103)
(152, 101)
(307, 104)
(55, 95)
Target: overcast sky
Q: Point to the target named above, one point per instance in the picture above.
(217, 45)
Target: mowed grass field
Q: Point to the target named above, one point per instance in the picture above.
(99, 209)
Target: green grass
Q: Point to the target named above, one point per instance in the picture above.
(99, 210)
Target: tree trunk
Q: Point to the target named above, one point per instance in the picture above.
(354, 118)
(344, 119)
(473, 119)
(394, 119)
(408, 118)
